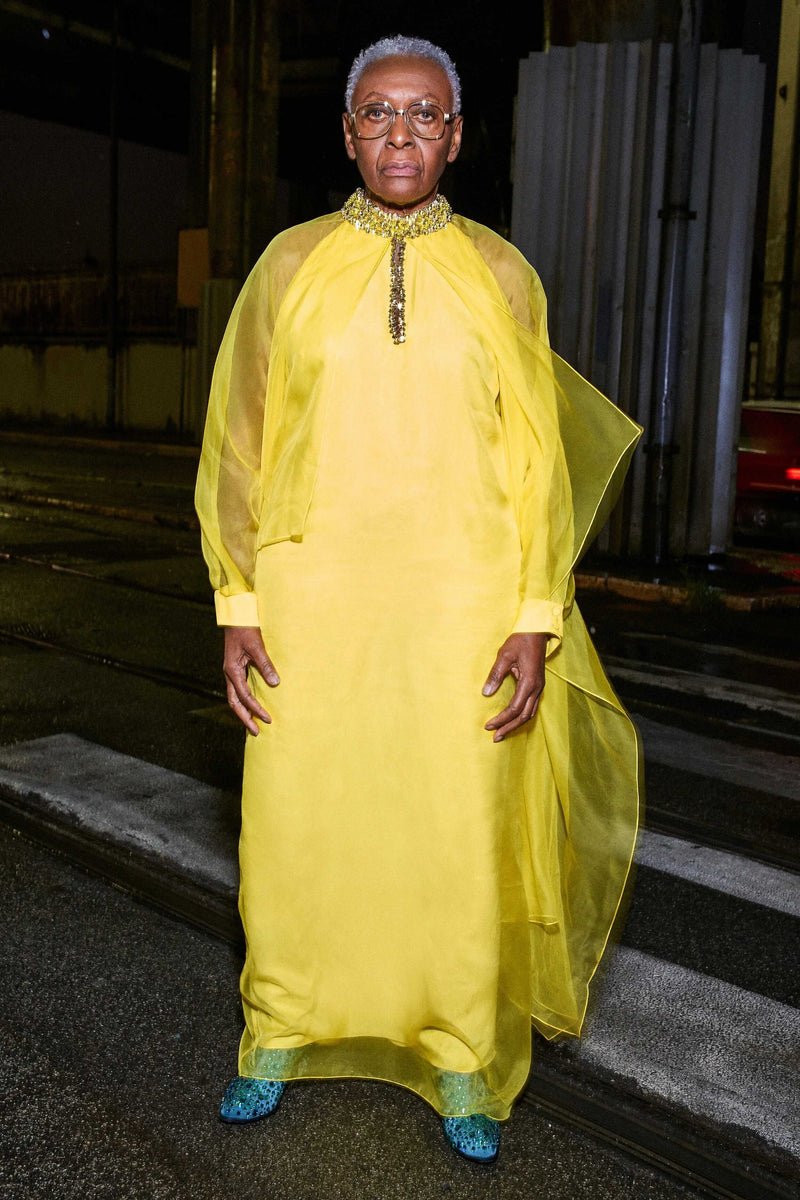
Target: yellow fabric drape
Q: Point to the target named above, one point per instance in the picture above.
(567, 792)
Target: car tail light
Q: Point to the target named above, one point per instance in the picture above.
(793, 474)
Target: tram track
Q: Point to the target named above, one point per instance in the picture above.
(164, 520)
(92, 577)
(159, 675)
(686, 646)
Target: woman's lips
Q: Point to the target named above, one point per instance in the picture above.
(401, 168)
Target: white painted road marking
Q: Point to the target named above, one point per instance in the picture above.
(752, 696)
(745, 766)
(707, 1046)
(145, 809)
(729, 873)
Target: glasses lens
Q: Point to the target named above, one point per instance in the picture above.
(425, 120)
(373, 120)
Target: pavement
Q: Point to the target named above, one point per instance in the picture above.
(119, 1027)
(117, 751)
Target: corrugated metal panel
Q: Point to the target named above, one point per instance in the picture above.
(592, 125)
(726, 286)
(694, 294)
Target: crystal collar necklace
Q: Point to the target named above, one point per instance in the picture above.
(362, 213)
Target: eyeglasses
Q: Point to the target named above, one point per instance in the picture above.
(423, 118)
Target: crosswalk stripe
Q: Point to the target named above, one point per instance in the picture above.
(148, 810)
(708, 1046)
(745, 766)
(728, 873)
(752, 696)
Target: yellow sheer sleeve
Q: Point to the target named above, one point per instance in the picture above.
(228, 493)
(230, 480)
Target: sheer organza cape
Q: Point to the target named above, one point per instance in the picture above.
(567, 449)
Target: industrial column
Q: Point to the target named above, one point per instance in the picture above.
(242, 156)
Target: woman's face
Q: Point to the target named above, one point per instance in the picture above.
(401, 171)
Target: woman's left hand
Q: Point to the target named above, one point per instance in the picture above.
(521, 655)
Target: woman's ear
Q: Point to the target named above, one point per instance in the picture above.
(347, 126)
(455, 144)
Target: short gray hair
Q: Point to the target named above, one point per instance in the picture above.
(405, 47)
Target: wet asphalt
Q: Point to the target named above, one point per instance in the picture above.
(119, 1033)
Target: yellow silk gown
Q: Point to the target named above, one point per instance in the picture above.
(412, 893)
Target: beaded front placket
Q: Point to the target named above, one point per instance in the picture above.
(363, 214)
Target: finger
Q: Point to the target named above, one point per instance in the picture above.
(239, 692)
(528, 713)
(501, 667)
(523, 690)
(235, 672)
(245, 647)
(240, 710)
(266, 668)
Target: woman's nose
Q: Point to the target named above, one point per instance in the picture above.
(399, 134)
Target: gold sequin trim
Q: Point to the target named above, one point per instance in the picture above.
(397, 292)
(363, 214)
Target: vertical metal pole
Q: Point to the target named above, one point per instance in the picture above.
(242, 157)
(199, 95)
(228, 99)
(676, 215)
(113, 224)
(243, 140)
(261, 140)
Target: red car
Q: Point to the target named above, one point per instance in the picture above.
(768, 474)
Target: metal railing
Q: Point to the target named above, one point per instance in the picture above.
(73, 306)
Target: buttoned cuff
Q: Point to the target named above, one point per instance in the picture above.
(540, 616)
(241, 609)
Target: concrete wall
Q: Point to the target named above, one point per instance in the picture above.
(54, 207)
(67, 384)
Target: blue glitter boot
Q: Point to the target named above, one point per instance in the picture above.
(476, 1137)
(250, 1099)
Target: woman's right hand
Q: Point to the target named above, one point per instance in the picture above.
(244, 647)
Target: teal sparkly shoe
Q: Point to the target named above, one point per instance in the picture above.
(476, 1137)
(250, 1099)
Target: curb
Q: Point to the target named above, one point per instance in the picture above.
(79, 442)
(681, 597)
(142, 515)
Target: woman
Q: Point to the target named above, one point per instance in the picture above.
(397, 478)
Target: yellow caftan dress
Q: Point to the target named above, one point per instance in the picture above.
(414, 894)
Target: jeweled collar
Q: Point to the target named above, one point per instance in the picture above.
(364, 214)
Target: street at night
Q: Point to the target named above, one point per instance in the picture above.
(358, 348)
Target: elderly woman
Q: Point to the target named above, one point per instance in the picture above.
(397, 478)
